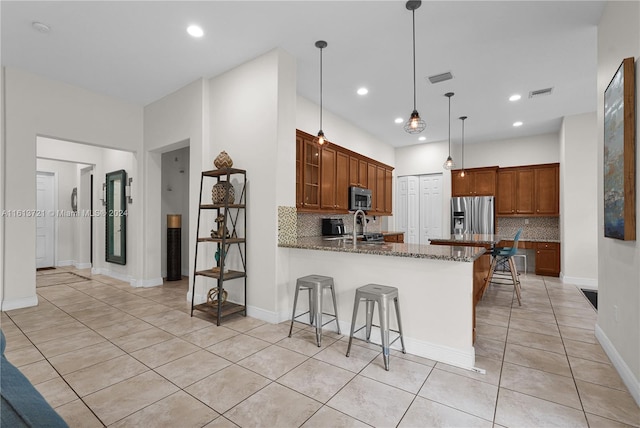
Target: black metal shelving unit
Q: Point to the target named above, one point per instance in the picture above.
(235, 215)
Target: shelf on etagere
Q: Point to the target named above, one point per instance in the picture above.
(223, 171)
(227, 240)
(230, 274)
(228, 308)
(216, 206)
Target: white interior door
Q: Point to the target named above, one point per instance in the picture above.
(45, 227)
(430, 207)
(413, 210)
(400, 212)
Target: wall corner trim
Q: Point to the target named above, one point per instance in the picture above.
(621, 366)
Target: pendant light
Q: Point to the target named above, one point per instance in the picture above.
(415, 124)
(321, 44)
(448, 164)
(462, 118)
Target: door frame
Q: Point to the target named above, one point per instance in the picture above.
(53, 215)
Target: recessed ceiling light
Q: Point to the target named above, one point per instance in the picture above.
(423, 138)
(399, 120)
(518, 123)
(195, 31)
(39, 26)
(363, 91)
(514, 97)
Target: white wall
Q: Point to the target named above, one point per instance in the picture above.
(37, 106)
(578, 200)
(618, 261)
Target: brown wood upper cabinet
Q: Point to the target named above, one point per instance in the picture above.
(532, 190)
(476, 182)
(323, 177)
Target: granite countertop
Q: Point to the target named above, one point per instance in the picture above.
(390, 232)
(435, 252)
(470, 238)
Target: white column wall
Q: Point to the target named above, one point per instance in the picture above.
(37, 106)
(174, 121)
(618, 326)
(578, 200)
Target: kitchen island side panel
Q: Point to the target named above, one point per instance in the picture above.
(436, 297)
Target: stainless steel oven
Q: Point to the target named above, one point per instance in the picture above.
(359, 199)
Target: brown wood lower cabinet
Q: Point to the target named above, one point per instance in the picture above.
(547, 258)
(394, 237)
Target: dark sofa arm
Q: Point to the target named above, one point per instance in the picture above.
(22, 405)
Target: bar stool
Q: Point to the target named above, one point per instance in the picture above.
(315, 284)
(381, 294)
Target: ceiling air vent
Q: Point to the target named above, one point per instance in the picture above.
(437, 78)
(540, 92)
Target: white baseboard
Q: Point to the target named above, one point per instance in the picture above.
(590, 283)
(82, 265)
(146, 282)
(62, 263)
(25, 302)
(261, 314)
(127, 278)
(632, 383)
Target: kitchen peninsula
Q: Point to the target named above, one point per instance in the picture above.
(436, 285)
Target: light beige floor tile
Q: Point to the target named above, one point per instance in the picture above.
(122, 329)
(596, 372)
(56, 392)
(82, 340)
(524, 314)
(600, 422)
(489, 348)
(317, 379)
(141, 310)
(410, 357)
(38, 372)
(493, 319)
(71, 328)
(537, 359)
(273, 362)
(122, 399)
(609, 403)
(587, 351)
(17, 341)
(85, 357)
(588, 313)
(402, 374)
(104, 374)
(77, 415)
(141, 339)
(579, 334)
(536, 340)
(228, 387)
(356, 361)
(492, 368)
(548, 386)
(238, 347)
(539, 305)
(328, 417)
(491, 332)
(177, 410)
(460, 392)
(578, 322)
(583, 304)
(243, 324)
(520, 410)
(164, 352)
(192, 368)
(185, 326)
(270, 332)
(535, 327)
(273, 406)
(427, 413)
(164, 317)
(220, 422)
(209, 336)
(372, 402)
(23, 356)
(304, 342)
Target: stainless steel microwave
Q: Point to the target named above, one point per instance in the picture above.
(359, 199)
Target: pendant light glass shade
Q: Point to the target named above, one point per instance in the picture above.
(449, 164)
(462, 118)
(321, 44)
(415, 124)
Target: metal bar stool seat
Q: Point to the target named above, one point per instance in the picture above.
(382, 295)
(503, 256)
(315, 284)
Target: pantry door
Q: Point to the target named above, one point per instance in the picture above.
(45, 227)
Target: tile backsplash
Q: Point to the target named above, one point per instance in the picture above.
(287, 225)
(537, 228)
(310, 224)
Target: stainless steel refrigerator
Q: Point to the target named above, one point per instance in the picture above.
(472, 214)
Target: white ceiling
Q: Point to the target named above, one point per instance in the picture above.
(140, 51)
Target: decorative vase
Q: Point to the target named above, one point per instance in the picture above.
(223, 192)
(223, 160)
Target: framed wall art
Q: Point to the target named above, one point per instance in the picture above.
(619, 154)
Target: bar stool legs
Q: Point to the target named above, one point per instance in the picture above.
(381, 294)
(315, 284)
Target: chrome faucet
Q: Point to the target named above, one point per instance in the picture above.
(364, 223)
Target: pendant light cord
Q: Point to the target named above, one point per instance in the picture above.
(449, 126)
(413, 13)
(321, 89)
(463, 143)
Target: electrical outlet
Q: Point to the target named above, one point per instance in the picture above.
(616, 313)
(526, 221)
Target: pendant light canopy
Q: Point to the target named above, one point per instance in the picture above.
(321, 44)
(448, 164)
(415, 124)
(462, 118)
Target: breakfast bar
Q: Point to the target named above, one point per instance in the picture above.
(436, 288)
